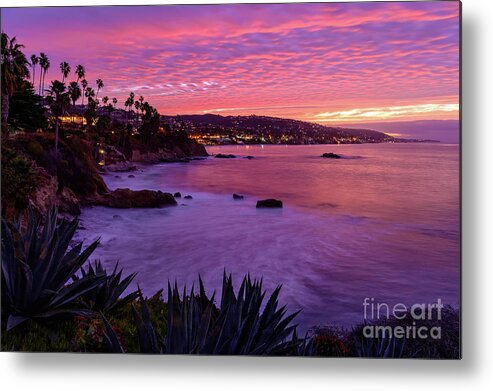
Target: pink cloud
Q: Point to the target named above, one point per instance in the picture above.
(269, 59)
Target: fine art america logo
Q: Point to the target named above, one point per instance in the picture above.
(417, 321)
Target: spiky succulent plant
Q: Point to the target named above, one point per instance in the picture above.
(106, 297)
(37, 266)
(239, 326)
(385, 347)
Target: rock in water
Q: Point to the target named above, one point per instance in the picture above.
(224, 156)
(177, 195)
(249, 157)
(269, 203)
(237, 196)
(188, 197)
(331, 155)
(175, 160)
(126, 198)
(123, 166)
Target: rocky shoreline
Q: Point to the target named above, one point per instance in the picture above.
(73, 179)
(127, 198)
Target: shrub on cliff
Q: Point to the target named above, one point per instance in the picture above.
(73, 165)
(83, 334)
(80, 173)
(331, 341)
(19, 179)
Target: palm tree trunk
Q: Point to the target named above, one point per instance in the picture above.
(5, 114)
(40, 76)
(56, 135)
(43, 85)
(34, 73)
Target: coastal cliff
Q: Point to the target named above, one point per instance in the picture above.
(175, 149)
(34, 175)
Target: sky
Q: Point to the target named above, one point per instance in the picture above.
(331, 63)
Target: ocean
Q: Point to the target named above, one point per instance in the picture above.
(383, 222)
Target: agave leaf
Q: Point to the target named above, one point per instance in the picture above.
(148, 339)
(72, 266)
(14, 320)
(70, 292)
(195, 325)
(36, 267)
(203, 329)
(106, 297)
(111, 336)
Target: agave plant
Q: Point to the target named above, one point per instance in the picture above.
(238, 327)
(106, 297)
(302, 346)
(384, 347)
(37, 266)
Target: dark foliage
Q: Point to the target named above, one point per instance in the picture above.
(380, 347)
(149, 128)
(26, 111)
(37, 266)
(238, 327)
(336, 342)
(73, 164)
(19, 179)
(106, 297)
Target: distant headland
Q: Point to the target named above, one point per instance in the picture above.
(213, 129)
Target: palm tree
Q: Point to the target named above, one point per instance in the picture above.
(65, 68)
(105, 103)
(34, 61)
(137, 106)
(90, 95)
(40, 71)
(44, 63)
(80, 72)
(74, 92)
(99, 84)
(146, 107)
(58, 99)
(115, 101)
(130, 101)
(14, 67)
(84, 86)
(127, 104)
(131, 98)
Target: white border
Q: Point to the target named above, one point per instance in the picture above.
(475, 371)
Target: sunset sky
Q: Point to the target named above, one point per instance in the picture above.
(330, 63)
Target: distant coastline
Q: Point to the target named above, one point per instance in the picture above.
(212, 129)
